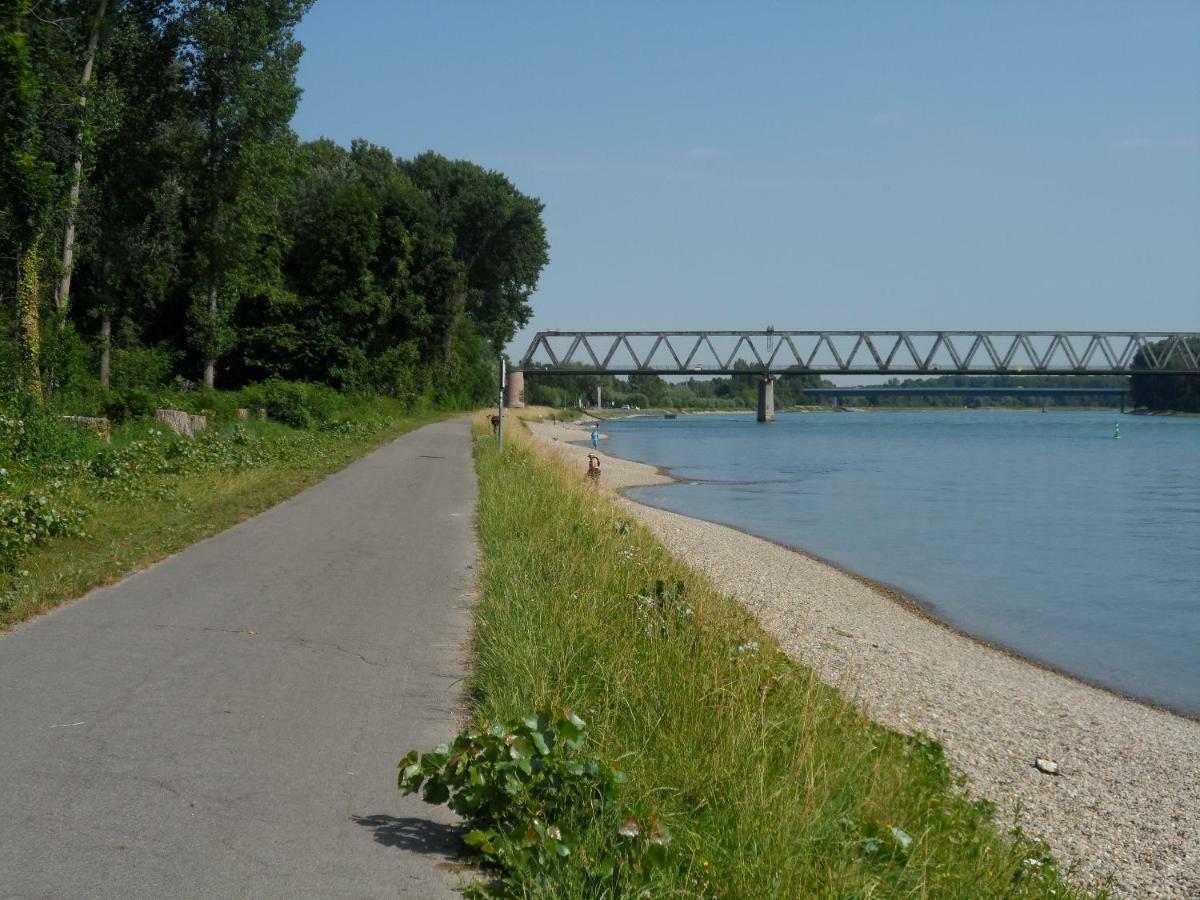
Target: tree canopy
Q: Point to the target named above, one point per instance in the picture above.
(212, 244)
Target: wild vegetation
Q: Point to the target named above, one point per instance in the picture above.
(758, 780)
(159, 220)
(1179, 393)
(164, 233)
(739, 391)
(77, 511)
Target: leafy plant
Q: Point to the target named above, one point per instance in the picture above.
(528, 793)
(289, 403)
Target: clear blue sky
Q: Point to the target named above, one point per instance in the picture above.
(853, 165)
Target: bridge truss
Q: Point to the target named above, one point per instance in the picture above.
(864, 352)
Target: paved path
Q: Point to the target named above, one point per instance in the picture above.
(228, 722)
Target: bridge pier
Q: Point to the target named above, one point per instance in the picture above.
(514, 389)
(766, 399)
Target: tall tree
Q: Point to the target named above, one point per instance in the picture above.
(130, 253)
(27, 183)
(62, 290)
(499, 239)
(240, 59)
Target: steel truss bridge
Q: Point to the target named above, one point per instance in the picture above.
(772, 352)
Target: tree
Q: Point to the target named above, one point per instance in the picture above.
(650, 385)
(499, 239)
(62, 290)
(1180, 393)
(240, 59)
(132, 243)
(27, 180)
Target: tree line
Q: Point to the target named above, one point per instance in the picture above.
(159, 219)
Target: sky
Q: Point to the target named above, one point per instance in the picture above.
(843, 165)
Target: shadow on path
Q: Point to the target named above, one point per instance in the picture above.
(415, 834)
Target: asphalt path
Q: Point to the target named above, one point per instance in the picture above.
(227, 723)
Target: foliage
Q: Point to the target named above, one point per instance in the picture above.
(527, 789)
(771, 783)
(52, 473)
(288, 403)
(211, 242)
(33, 518)
(129, 403)
(1180, 393)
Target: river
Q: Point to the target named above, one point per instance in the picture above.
(1038, 532)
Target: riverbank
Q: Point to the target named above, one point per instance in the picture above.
(1125, 802)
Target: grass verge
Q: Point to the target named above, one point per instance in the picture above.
(150, 495)
(770, 782)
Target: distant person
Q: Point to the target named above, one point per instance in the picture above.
(595, 437)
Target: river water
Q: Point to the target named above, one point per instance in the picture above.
(1035, 531)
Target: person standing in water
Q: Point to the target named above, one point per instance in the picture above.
(596, 437)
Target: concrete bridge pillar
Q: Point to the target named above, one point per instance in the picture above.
(514, 389)
(766, 399)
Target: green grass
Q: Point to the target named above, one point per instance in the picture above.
(148, 513)
(772, 784)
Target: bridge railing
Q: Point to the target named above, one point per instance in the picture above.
(865, 352)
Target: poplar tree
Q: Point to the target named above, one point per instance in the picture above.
(27, 183)
(240, 59)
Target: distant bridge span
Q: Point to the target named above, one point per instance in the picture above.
(769, 353)
(774, 352)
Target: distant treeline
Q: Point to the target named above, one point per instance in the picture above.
(159, 220)
(1180, 393)
(645, 390)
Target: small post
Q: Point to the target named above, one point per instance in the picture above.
(599, 398)
(1123, 401)
(500, 430)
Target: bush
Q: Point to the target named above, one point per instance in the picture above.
(289, 402)
(149, 368)
(529, 793)
(32, 435)
(129, 403)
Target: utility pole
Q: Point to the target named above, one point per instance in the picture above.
(500, 430)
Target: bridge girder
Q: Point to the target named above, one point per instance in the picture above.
(866, 352)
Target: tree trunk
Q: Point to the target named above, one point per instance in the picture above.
(210, 353)
(29, 327)
(214, 237)
(105, 348)
(62, 290)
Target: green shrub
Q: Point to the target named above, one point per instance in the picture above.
(33, 518)
(33, 435)
(150, 368)
(528, 793)
(130, 403)
(288, 402)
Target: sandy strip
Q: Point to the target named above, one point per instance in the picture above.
(1127, 802)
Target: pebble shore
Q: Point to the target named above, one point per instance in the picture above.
(1126, 801)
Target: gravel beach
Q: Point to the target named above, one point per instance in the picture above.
(1126, 801)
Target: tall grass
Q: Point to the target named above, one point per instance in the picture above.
(772, 784)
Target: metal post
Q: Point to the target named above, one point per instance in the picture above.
(599, 398)
(500, 430)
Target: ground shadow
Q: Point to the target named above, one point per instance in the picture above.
(416, 834)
